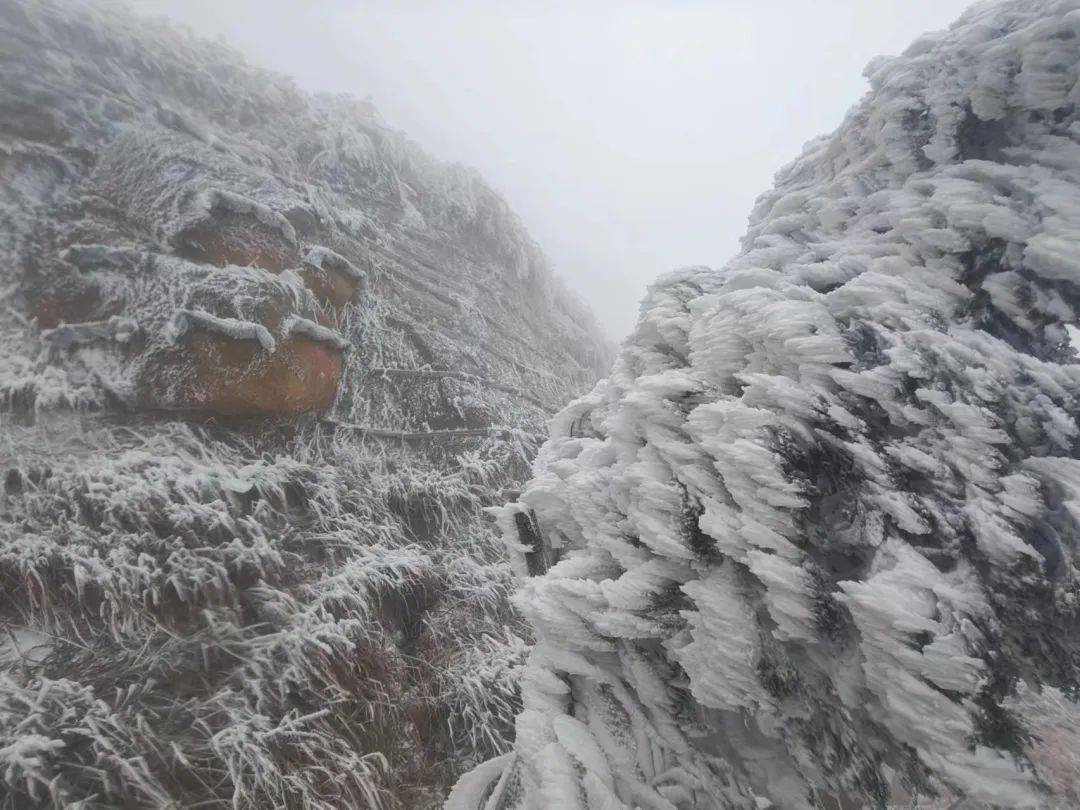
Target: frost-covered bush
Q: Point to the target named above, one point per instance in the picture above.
(814, 540)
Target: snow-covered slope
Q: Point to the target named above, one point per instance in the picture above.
(814, 541)
(263, 363)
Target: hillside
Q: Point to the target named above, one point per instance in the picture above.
(263, 362)
(813, 542)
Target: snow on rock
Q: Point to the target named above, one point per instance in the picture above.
(186, 319)
(295, 325)
(67, 335)
(223, 228)
(208, 281)
(236, 368)
(331, 277)
(813, 541)
(208, 202)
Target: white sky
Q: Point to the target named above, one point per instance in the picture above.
(631, 136)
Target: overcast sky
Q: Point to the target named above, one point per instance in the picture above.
(631, 136)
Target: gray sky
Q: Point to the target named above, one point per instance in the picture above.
(631, 136)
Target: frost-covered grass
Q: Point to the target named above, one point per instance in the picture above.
(321, 626)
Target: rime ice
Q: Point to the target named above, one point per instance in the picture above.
(815, 536)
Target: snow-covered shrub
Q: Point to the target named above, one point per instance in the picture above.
(813, 541)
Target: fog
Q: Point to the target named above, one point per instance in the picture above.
(631, 136)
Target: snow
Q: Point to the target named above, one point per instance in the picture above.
(295, 325)
(23, 644)
(186, 319)
(205, 203)
(322, 258)
(816, 531)
(67, 335)
(473, 788)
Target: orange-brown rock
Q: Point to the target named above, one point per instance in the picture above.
(232, 238)
(218, 374)
(331, 287)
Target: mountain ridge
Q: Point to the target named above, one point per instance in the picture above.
(263, 364)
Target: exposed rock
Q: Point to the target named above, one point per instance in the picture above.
(65, 299)
(333, 288)
(332, 278)
(258, 553)
(220, 374)
(230, 238)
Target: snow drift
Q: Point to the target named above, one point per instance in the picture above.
(814, 540)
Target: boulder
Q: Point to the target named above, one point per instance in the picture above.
(211, 372)
(231, 238)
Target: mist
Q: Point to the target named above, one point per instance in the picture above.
(630, 137)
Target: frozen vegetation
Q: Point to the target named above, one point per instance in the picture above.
(263, 363)
(813, 542)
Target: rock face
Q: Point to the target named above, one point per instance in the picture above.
(263, 363)
(813, 543)
(240, 378)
